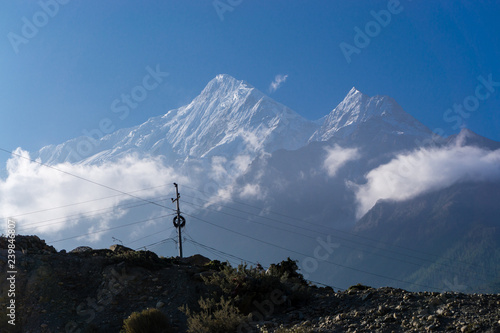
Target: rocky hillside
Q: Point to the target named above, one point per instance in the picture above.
(88, 290)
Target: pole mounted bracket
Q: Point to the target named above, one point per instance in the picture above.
(179, 222)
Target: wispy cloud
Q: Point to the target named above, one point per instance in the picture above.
(278, 80)
(219, 171)
(424, 170)
(252, 191)
(336, 157)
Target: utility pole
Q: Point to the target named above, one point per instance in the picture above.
(179, 220)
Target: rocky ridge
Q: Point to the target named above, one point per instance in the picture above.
(364, 309)
(87, 290)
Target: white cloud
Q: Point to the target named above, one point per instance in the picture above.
(278, 80)
(219, 171)
(336, 157)
(223, 195)
(253, 142)
(31, 187)
(423, 170)
(251, 191)
(242, 162)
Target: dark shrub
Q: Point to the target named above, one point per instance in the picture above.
(147, 321)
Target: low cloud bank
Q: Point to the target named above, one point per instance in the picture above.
(424, 170)
(31, 187)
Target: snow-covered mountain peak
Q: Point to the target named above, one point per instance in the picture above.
(232, 112)
(223, 85)
(228, 118)
(358, 108)
(467, 137)
(353, 92)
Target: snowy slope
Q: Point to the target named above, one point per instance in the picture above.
(229, 117)
(228, 113)
(383, 112)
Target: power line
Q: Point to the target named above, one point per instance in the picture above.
(305, 255)
(197, 248)
(81, 215)
(239, 217)
(163, 241)
(82, 178)
(215, 251)
(303, 235)
(454, 269)
(341, 231)
(219, 251)
(232, 255)
(246, 219)
(153, 234)
(80, 203)
(113, 228)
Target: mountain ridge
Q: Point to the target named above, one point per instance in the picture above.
(227, 112)
(232, 113)
(358, 108)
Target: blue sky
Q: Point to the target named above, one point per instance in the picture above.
(62, 78)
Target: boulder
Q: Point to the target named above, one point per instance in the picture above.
(117, 248)
(196, 260)
(81, 249)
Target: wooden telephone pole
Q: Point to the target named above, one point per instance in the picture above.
(179, 220)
